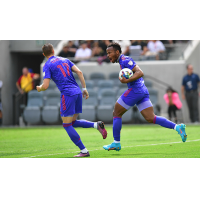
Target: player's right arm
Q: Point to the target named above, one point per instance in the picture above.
(46, 79)
(82, 80)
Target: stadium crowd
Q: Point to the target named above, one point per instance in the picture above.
(95, 50)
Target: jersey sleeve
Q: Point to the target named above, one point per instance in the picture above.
(198, 80)
(46, 72)
(32, 75)
(71, 64)
(183, 82)
(130, 63)
(19, 80)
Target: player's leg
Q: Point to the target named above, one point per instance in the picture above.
(148, 114)
(124, 103)
(119, 110)
(87, 124)
(67, 109)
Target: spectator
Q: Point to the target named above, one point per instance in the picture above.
(154, 48)
(142, 43)
(25, 82)
(125, 44)
(83, 53)
(68, 50)
(97, 50)
(103, 44)
(172, 99)
(190, 87)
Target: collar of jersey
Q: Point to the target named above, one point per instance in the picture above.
(51, 57)
(118, 58)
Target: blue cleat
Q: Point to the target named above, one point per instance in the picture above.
(180, 128)
(113, 146)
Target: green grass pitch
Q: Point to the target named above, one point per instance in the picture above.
(138, 141)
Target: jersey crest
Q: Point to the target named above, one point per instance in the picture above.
(130, 62)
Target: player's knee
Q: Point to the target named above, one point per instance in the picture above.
(116, 114)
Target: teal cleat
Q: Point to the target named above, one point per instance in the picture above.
(180, 128)
(113, 146)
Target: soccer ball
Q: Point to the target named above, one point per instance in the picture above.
(126, 72)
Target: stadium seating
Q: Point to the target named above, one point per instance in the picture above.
(52, 85)
(105, 84)
(107, 100)
(96, 77)
(89, 84)
(89, 107)
(135, 52)
(50, 112)
(32, 113)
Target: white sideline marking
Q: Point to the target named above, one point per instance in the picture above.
(122, 147)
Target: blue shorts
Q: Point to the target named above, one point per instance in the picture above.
(70, 105)
(138, 97)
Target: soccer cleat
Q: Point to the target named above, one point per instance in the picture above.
(101, 129)
(180, 128)
(113, 146)
(82, 155)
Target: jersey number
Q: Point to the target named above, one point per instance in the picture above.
(62, 70)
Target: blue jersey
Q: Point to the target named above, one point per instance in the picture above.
(128, 62)
(191, 82)
(59, 70)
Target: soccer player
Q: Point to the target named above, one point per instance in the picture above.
(138, 94)
(60, 71)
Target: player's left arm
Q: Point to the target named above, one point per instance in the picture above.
(44, 85)
(137, 73)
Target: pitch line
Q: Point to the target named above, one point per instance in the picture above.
(122, 147)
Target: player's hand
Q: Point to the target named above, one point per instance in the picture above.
(123, 80)
(183, 97)
(38, 88)
(85, 94)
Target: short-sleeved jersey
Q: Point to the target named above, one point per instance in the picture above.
(191, 82)
(59, 70)
(128, 62)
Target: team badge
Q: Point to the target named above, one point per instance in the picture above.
(130, 62)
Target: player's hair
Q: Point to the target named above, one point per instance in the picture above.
(170, 89)
(47, 49)
(115, 46)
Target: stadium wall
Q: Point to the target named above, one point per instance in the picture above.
(8, 72)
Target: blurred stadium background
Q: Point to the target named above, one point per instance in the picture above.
(166, 69)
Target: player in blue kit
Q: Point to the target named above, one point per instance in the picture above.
(60, 71)
(138, 94)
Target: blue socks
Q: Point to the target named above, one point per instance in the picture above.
(74, 136)
(117, 126)
(83, 124)
(163, 122)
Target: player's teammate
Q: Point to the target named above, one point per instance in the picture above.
(60, 71)
(138, 94)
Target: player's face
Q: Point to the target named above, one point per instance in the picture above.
(112, 54)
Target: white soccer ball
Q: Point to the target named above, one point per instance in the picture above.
(126, 72)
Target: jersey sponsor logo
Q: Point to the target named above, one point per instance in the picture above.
(43, 74)
(130, 62)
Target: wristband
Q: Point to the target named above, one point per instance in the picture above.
(84, 89)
